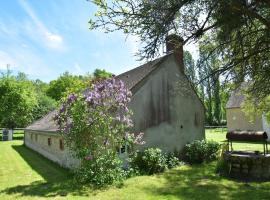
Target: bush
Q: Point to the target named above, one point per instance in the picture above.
(200, 151)
(105, 170)
(153, 160)
(172, 161)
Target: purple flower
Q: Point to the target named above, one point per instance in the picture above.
(71, 98)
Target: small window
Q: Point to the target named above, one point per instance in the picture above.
(36, 137)
(61, 144)
(49, 141)
(31, 135)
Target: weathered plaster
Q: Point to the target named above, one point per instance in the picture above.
(167, 109)
(39, 143)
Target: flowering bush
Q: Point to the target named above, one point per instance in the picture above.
(95, 125)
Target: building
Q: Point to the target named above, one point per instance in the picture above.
(165, 106)
(238, 120)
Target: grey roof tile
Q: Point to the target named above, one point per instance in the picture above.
(134, 76)
(46, 123)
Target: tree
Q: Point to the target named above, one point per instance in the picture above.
(189, 64)
(45, 103)
(102, 73)
(64, 85)
(94, 125)
(17, 102)
(240, 28)
(210, 83)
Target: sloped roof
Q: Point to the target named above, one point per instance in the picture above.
(237, 96)
(235, 100)
(46, 123)
(130, 78)
(134, 76)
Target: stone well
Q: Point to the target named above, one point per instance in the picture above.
(248, 165)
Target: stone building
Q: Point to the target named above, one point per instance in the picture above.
(165, 106)
(238, 120)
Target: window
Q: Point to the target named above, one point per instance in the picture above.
(36, 137)
(49, 141)
(61, 144)
(31, 135)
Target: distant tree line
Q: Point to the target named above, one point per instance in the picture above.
(23, 101)
(213, 92)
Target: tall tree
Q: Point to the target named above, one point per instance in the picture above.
(102, 73)
(189, 64)
(17, 101)
(64, 85)
(240, 28)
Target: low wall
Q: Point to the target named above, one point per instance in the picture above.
(248, 166)
(38, 141)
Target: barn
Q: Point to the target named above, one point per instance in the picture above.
(165, 106)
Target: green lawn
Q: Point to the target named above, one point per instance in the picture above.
(26, 175)
(219, 135)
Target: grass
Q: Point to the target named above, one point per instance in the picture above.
(219, 135)
(26, 175)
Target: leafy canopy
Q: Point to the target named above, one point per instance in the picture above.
(240, 29)
(17, 101)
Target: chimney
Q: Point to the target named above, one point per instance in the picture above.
(174, 43)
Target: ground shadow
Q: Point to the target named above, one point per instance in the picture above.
(57, 181)
(201, 182)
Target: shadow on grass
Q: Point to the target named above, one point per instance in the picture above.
(57, 181)
(201, 182)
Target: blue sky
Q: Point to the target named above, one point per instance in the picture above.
(46, 38)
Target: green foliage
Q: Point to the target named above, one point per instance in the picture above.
(152, 160)
(102, 73)
(189, 64)
(200, 151)
(254, 108)
(105, 170)
(95, 125)
(44, 106)
(223, 167)
(239, 30)
(17, 101)
(65, 85)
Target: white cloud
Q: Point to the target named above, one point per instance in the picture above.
(48, 38)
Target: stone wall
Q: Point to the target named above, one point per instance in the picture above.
(49, 145)
(167, 109)
(248, 166)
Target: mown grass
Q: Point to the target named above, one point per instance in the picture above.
(219, 135)
(26, 175)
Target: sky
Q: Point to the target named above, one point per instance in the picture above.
(46, 38)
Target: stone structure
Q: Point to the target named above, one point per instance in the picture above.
(237, 119)
(165, 106)
(248, 165)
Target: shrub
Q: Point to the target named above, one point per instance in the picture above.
(104, 170)
(94, 125)
(200, 151)
(172, 161)
(153, 160)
